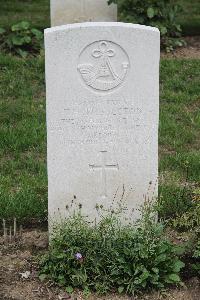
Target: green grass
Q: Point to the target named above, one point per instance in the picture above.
(35, 11)
(189, 18)
(23, 184)
(179, 133)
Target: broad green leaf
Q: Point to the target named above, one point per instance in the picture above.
(15, 27)
(120, 289)
(25, 25)
(178, 27)
(69, 289)
(179, 43)
(42, 277)
(150, 12)
(27, 39)
(21, 26)
(2, 30)
(37, 33)
(61, 280)
(17, 40)
(163, 30)
(22, 53)
(144, 275)
(196, 267)
(171, 16)
(179, 250)
(174, 278)
(161, 257)
(178, 266)
(155, 270)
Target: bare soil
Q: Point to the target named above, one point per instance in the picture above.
(191, 50)
(19, 275)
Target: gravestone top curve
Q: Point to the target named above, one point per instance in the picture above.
(100, 24)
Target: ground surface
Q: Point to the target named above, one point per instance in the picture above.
(20, 257)
(191, 51)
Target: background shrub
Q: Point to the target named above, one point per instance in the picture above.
(158, 13)
(21, 39)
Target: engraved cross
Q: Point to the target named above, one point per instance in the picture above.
(103, 168)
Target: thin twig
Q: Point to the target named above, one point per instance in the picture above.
(5, 235)
(15, 227)
(4, 229)
(20, 231)
(10, 234)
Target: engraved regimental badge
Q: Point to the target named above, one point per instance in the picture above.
(103, 65)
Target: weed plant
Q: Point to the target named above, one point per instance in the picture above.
(21, 39)
(182, 208)
(111, 256)
(191, 255)
(196, 256)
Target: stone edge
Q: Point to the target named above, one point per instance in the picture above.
(99, 24)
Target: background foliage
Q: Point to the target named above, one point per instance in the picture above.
(161, 14)
(21, 39)
(196, 256)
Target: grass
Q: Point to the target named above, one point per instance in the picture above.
(35, 11)
(189, 18)
(179, 132)
(23, 184)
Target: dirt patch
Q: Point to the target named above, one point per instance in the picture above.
(19, 275)
(192, 50)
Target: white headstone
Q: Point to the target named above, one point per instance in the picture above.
(102, 83)
(76, 11)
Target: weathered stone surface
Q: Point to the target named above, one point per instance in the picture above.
(76, 11)
(102, 83)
